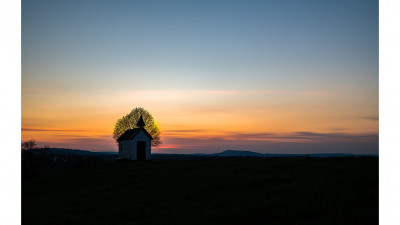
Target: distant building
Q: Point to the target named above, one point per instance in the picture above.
(135, 144)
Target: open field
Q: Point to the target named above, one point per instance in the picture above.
(228, 191)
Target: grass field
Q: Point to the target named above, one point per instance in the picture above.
(229, 191)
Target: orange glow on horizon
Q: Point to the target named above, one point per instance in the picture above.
(226, 115)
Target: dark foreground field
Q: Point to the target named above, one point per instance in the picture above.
(231, 191)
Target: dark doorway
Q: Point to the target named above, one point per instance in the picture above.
(141, 150)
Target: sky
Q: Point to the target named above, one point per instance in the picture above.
(264, 76)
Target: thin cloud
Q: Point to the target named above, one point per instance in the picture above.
(184, 131)
(88, 139)
(299, 135)
(218, 144)
(335, 135)
(38, 90)
(180, 93)
(50, 130)
(71, 136)
(375, 118)
(257, 92)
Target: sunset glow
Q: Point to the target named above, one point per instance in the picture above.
(243, 77)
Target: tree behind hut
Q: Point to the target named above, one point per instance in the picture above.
(129, 122)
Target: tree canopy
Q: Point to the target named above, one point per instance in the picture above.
(129, 122)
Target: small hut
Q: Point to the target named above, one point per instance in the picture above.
(135, 144)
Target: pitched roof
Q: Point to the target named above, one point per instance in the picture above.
(130, 134)
(140, 123)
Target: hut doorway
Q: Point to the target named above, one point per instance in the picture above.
(141, 150)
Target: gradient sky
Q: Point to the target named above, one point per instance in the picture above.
(284, 76)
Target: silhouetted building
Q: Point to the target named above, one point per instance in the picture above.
(135, 144)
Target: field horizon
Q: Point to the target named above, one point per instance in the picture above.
(223, 153)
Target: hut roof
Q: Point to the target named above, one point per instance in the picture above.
(130, 134)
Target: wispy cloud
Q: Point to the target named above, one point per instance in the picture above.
(185, 131)
(365, 144)
(39, 90)
(182, 93)
(257, 92)
(51, 130)
(375, 118)
(314, 135)
(289, 142)
(284, 136)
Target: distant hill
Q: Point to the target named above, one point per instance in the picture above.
(244, 153)
(66, 151)
(240, 153)
(226, 153)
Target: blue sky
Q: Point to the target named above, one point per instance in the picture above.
(237, 42)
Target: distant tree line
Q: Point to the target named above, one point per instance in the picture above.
(31, 145)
